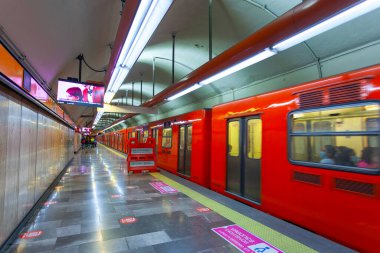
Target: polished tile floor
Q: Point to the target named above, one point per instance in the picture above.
(98, 208)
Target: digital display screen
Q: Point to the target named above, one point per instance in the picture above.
(37, 92)
(27, 81)
(76, 93)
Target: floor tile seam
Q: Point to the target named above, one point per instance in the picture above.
(276, 238)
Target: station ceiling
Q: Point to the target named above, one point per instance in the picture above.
(52, 33)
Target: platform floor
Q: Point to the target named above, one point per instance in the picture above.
(96, 207)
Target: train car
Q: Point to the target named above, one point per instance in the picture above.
(182, 145)
(308, 154)
(121, 140)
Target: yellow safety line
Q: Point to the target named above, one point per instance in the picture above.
(113, 151)
(272, 236)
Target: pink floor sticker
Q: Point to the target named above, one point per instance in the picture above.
(31, 234)
(128, 220)
(48, 203)
(203, 209)
(163, 188)
(244, 240)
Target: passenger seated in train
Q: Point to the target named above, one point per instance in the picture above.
(345, 156)
(370, 158)
(327, 155)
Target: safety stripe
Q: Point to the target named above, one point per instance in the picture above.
(114, 151)
(272, 236)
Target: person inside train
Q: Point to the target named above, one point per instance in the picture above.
(343, 156)
(328, 154)
(354, 159)
(370, 158)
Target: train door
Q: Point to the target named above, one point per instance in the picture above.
(244, 157)
(184, 150)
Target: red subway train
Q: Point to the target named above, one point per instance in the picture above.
(308, 154)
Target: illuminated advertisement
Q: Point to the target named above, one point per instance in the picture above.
(10, 67)
(85, 129)
(76, 93)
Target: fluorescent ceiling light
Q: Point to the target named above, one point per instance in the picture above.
(184, 92)
(114, 125)
(241, 65)
(108, 97)
(98, 116)
(341, 18)
(147, 18)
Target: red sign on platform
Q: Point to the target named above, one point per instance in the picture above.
(128, 220)
(48, 203)
(203, 209)
(31, 234)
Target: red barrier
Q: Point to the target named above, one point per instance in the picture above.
(141, 156)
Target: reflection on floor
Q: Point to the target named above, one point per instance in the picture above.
(97, 208)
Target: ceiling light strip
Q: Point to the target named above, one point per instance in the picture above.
(98, 116)
(330, 23)
(148, 16)
(184, 92)
(241, 65)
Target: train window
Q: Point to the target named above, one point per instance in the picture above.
(342, 138)
(254, 127)
(182, 137)
(167, 138)
(189, 137)
(233, 138)
(146, 135)
(133, 134)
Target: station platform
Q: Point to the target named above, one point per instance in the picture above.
(96, 207)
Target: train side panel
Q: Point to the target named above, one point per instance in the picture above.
(341, 205)
(168, 157)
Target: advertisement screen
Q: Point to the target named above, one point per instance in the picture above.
(76, 93)
(10, 67)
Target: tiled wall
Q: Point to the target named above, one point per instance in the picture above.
(34, 148)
